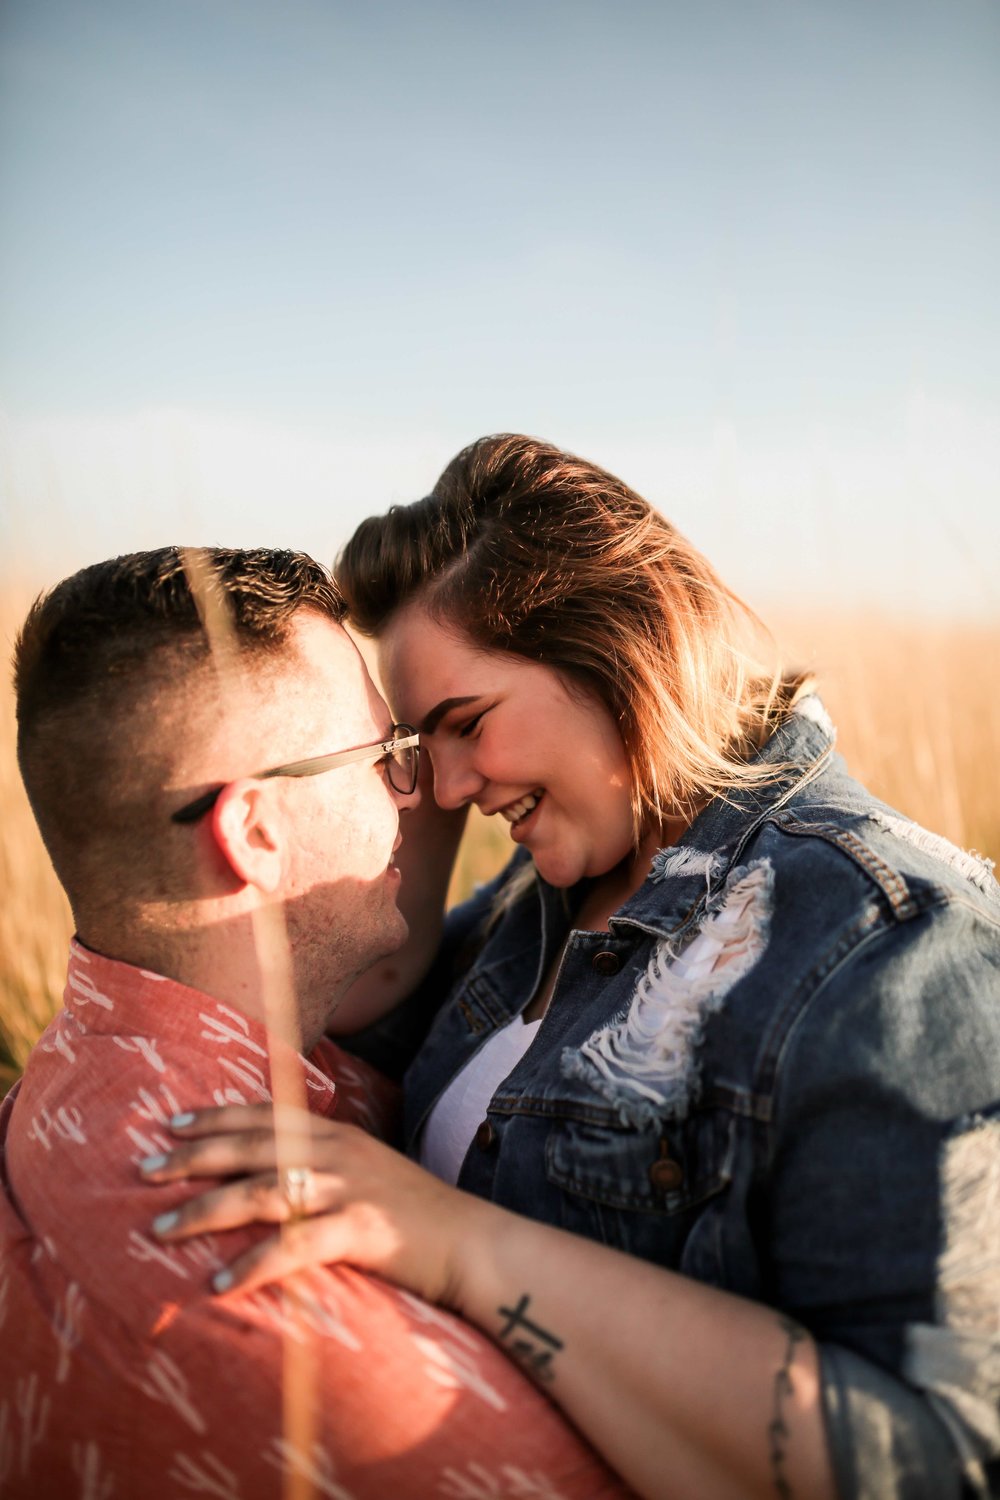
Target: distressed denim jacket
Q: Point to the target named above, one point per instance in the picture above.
(778, 1073)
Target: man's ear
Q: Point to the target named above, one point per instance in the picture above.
(247, 831)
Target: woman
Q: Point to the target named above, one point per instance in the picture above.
(723, 1012)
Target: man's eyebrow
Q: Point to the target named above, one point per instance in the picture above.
(437, 713)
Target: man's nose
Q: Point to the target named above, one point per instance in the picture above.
(406, 801)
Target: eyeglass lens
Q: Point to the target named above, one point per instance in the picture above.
(402, 763)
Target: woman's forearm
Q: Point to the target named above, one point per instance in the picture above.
(685, 1390)
(689, 1392)
(425, 860)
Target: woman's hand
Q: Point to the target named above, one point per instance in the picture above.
(358, 1201)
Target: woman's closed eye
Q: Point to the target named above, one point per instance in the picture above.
(466, 730)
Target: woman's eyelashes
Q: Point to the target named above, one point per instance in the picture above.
(464, 731)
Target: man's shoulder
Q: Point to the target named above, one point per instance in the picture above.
(91, 1087)
(91, 1105)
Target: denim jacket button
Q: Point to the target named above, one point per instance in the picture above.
(486, 1136)
(606, 962)
(666, 1175)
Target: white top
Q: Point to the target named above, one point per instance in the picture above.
(461, 1109)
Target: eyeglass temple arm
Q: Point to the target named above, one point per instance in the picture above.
(315, 765)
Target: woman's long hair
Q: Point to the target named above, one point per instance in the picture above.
(524, 548)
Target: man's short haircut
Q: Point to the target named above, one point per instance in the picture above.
(94, 650)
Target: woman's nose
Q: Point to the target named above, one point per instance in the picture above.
(456, 782)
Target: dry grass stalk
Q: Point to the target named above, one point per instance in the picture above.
(35, 923)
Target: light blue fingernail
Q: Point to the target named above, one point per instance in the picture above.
(178, 1122)
(222, 1281)
(165, 1222)
(152, 1163)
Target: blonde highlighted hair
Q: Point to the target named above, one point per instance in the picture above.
(528, 549)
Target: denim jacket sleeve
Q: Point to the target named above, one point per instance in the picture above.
(886, 1116)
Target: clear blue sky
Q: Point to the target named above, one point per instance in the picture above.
(265, 266)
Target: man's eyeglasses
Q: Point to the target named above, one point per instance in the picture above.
(401, 755)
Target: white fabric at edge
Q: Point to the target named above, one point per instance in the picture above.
(461, 1109)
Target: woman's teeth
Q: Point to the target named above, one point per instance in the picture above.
(518, 810)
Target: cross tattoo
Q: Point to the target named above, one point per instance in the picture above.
(530, 1343)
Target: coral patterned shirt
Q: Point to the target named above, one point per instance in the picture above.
(121, 1376)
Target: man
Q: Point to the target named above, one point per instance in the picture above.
(181, 720)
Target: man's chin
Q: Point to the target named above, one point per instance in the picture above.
(390, 936)
(397, 932)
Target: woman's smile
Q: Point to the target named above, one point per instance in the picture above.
(522, 826)
(517, 812)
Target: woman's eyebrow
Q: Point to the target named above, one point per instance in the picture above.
(437, 713)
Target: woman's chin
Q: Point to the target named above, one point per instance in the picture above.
(556, 870)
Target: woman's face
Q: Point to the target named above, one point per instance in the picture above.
(506, 734)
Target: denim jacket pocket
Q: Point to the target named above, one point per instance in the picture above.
(641, 1191)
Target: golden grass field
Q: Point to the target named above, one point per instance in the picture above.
(918, 718)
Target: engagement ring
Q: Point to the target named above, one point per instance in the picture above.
(297, 1189)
